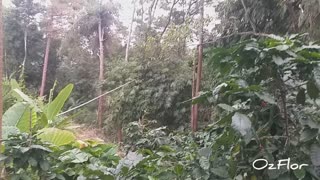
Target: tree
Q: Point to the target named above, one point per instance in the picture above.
(56, 12)
(27, 52)
(91, 33)
(196, 84)
(130, 31)
(274, 16)
(1, 69)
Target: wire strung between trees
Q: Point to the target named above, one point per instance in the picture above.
(240, 34)
(83, 104)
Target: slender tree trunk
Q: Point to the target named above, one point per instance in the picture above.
(45, 66)
(130, 32)
(119, 134)
(25, 39)
(1, 70)
(247, 15)
(46, 57)
(101, 74)
(194, 81)
(199, 68)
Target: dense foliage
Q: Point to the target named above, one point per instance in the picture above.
(259, 99)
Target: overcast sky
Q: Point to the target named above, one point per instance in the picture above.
(125, 12)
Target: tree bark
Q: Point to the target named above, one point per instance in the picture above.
(130, 32)
(199, 67)
(101, 74)
(120, 135)
(25, 39)
(46, 57)
(253, 26)
(169, 18)
(45, 66)
(1, 69)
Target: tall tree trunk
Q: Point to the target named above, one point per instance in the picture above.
(46, 58)
(45, 66)
(119, 134)
(25, 39)
(199, 67)
(130, 32)
(101, 74)
(1, 69)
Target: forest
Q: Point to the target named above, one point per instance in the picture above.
(160, 89)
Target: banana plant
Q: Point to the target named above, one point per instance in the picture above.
(34, 117)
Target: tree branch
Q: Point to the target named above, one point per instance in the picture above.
(254, 28)
(169, 19)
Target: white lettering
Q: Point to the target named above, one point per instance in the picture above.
(259, 168)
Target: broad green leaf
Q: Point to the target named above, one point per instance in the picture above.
(300, 173)
(56, 136)
(29, 116)
(12, 117)
(282, 47)
(15, 85)
(312, 90)
(308, 134)
(75, 156)
(204, 162)
(278, 60)
(205, 152)
(242, 124)
(178, 169)
(315, 154)
(301, 97)
(27, 99)
(226, 107)
(57, 104)
(220, 171)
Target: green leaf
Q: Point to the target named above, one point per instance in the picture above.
(315, 154)
(266, 97)
(205, 152)
(220, 171)
(56, 136)
(27, 99)
(242, 124)
(308, 134)
(204, 162)
(278, 60)
(12, 117)
(282, 47)
(300, 173)
(301, 97)
(226, 107)
(75, 156)
(57, 104)
(29, 116)
(312, 90)
(44, 165)
(178, 169)
(32, 161)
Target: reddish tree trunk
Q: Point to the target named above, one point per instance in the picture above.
(1, 69)
(119, 134)
(101, 75)
(199, 70)
(194, 80)
(45, 66)
(46, 56)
